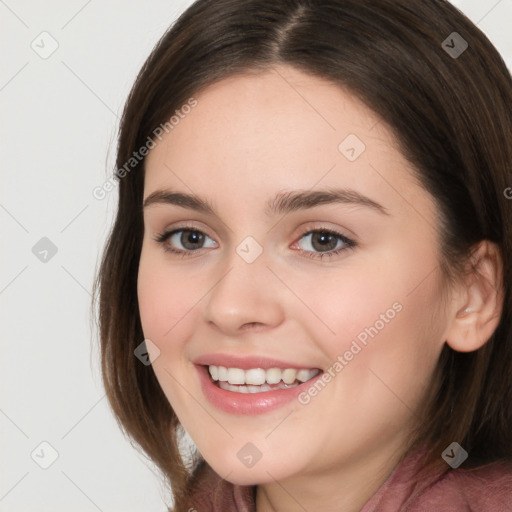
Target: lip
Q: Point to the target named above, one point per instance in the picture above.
(246, 363)
(249, 404)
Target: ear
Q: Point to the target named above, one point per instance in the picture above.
(477, 311)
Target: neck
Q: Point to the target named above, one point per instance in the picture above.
(346, 487)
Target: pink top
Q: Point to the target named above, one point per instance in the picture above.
(484, 489)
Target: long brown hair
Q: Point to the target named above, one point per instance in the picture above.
(452, 117)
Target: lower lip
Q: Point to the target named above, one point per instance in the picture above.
(248, 404)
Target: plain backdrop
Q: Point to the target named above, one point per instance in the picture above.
(66, 70)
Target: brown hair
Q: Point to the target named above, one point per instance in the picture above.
(452, 118)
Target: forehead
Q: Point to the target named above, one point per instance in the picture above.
(252, 134)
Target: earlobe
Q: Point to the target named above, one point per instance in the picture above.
(478, 313)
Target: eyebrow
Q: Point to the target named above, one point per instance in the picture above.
(282, 203)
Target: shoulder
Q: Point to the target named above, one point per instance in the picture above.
(487, 487)
(481, 489)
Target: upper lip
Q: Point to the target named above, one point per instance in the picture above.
(246, 362)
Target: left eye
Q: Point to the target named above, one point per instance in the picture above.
(324, 241)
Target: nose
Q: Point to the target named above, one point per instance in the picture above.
(245, 296)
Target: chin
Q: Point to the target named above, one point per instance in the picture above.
(263, 471)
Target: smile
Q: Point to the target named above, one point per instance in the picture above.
(252, 390)
(259, 380)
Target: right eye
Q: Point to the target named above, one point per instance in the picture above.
(186, 236)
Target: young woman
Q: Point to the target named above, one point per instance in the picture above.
(309, 273)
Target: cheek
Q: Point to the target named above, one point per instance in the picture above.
(392, 294)
(381, 323)
(164, 298)
(165, 304)
(347, 302)
(153, 303)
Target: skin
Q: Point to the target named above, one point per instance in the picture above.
(250, 137)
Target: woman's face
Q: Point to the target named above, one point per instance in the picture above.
(248, 288)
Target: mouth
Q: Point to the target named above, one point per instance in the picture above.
(259, 380)
(252, 385)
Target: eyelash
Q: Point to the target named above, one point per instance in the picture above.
(349, 244)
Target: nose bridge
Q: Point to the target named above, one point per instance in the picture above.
(246, 292)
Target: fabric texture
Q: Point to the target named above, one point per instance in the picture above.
(484, 489)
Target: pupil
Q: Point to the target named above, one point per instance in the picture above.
(191, 238)
(324, 238)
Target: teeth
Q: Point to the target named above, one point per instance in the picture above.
(222, 373)
(259, 376)
(236, 376)
(305, 375)
(254, 389)
(289, 375)
(214, 372)
(255, 376)
(273, 375)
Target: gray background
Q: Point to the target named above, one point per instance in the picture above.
(59, 121)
